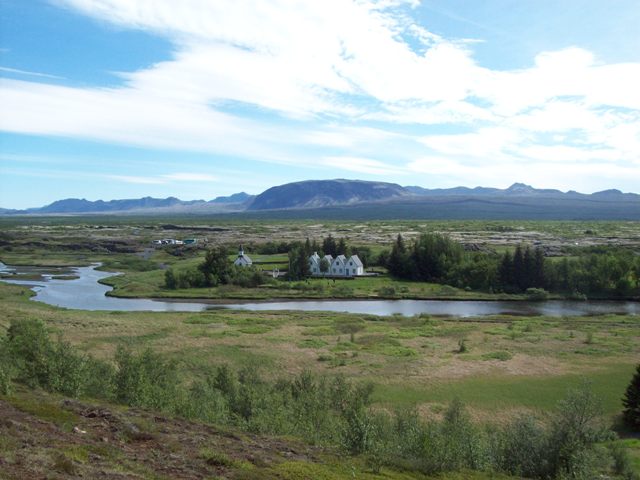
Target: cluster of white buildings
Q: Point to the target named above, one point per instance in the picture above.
(340, 266)
(173, 241)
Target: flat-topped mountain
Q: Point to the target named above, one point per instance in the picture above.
(322, 193)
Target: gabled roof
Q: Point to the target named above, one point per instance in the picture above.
(342, 258)
(356, 260)
(315, 257)
(329, 258)
(245, 258)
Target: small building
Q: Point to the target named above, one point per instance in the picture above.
(354, 266)
(341, 266)
(314, 264)
(242, 260)
(338, 266)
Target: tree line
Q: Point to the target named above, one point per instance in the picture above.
(573, 443)
(439, 259)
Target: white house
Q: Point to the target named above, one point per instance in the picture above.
(337, 266)
(340, 266)
(314, 264)
(242, 260)
(354, 266)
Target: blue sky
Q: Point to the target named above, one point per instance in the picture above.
(195, 99)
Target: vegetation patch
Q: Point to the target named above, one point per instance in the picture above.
(501, 355)
(312, 343)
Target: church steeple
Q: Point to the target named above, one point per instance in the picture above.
(240, 251)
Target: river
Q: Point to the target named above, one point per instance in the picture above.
(85, 293)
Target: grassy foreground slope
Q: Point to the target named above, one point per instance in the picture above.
(47, 436)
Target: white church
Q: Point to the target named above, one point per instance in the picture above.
(340, 266)
(242, 260)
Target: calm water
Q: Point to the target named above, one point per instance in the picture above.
(87, 294)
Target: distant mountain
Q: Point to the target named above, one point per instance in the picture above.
(241, 197)
(515, 189)
(454, 191)
(322, 193)
(75, 205)
(357, 199)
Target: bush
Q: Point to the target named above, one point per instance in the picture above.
(5, 381)
(388, 291)
(454, 444)
(575, 431)
(501, 355)
(523, 448)
(537, 294)
(622, 462)
(145, 380)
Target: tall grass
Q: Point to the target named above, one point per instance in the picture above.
(324, 410)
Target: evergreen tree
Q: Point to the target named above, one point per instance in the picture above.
(505, 271)
(398, 258)
(631, 402)
(298, 263)
(315, 247)
(519, 268)
(529, 268)
(342, 247)
(329, 246)
(538, 268)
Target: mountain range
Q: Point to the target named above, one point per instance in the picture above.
(363, 199)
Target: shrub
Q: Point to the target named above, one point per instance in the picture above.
(622, 462)
(145, 380)
(575, 431)
(387, 291)
(454, 444)
(5, 381)
(501, 355)
(522, 448)
(537, 294)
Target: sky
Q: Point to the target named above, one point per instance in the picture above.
(106, 99)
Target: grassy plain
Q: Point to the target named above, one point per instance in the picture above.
(511, 365)
(124, 244)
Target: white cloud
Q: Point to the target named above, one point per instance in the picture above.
(136, 179)
(26, 72)
(302, 83)
(190, 177)
(361, 165)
